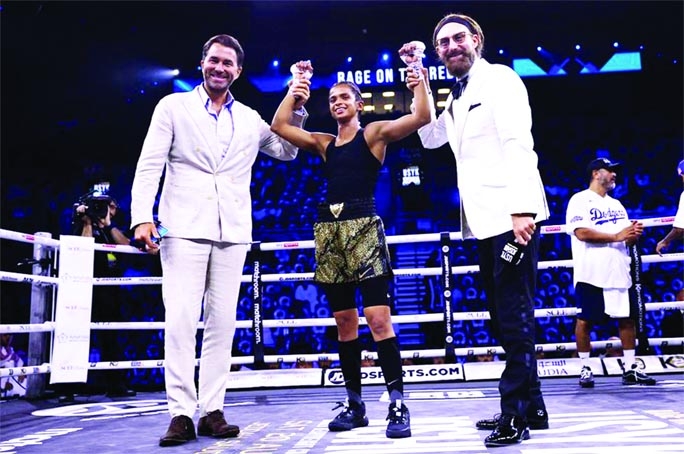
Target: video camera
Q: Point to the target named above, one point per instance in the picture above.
(96, 200)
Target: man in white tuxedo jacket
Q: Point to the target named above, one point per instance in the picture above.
(206, 142)
(487, 122)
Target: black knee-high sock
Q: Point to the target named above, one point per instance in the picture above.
(390, 363)
(350, 362)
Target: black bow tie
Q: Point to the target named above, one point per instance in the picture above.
(458, 87)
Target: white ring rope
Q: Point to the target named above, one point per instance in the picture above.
(436, 237)
(409, 272)
(309, 244)
(329, 321)
(35, 239)
(48, 326)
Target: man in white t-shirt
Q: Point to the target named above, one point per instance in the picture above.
(601, 232)
(677, 231)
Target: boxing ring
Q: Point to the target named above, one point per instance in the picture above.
(427, 371)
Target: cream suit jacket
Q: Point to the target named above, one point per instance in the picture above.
(489, 131)
(201, 198)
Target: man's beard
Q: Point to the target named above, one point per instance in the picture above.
(216, 87)
(609, 185)
(462, 67)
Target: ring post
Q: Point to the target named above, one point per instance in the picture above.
(257, 309)
(643, 347)
(40, 312)
(445, 251)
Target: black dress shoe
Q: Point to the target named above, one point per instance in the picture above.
(488, 423)
(536, 420)
(181, 430)
(509, 430)
(215, 425)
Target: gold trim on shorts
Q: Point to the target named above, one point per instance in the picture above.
(351, 250)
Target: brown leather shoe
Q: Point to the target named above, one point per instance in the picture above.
(215, 425)
(181, 430)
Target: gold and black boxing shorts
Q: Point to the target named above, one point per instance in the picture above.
(350, 248)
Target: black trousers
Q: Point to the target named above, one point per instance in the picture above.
(510, 291)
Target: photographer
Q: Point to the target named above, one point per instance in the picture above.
(93, 218)
(96, 221)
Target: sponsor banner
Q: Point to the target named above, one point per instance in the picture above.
(561, 367)
(412, 374)
(647, 364)
(72, 317)
(274, 378)
(673, 363)
(567, 367)
(486, 370)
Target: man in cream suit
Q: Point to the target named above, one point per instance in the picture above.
(487, 121)
(206, 142)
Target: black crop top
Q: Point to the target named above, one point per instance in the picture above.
(351, 170)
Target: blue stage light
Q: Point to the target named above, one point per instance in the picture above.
(623, 61)
(157, 73)
(181, 85)
(527, 68)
